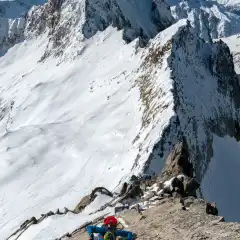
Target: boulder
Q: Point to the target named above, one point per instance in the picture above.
(191, 187)
(177, 161)
(85, 201)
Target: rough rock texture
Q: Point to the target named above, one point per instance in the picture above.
(169, 222)
(42, 18)
(212, 68)
(70, 22)
(101, 14)
(178, 161)
(231, 5)
(85, 201)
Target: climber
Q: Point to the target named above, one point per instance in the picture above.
(109, 230)
(211, 208)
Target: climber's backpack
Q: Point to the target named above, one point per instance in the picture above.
(109, 236)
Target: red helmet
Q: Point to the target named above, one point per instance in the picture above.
(111, 220)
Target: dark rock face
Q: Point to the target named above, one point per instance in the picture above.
(101, 14)
(219, 69)
(191, 187)
(206, 102)
(178, 161)
(223, 69)
(123, 189)
(211, 208)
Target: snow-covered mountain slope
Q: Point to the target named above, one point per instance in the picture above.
(67, 129)
(210, 19)
(112, 111)
(70, 22)
(12, 19)
(63, 135)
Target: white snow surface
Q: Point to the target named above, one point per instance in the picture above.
(68, 128)
(221, 181)
(64, 137)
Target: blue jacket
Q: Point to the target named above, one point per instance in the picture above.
(102, 231)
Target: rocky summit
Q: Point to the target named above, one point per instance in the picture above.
(168, 221)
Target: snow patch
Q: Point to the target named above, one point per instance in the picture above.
(72, 127)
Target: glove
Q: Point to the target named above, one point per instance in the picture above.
(91, 237)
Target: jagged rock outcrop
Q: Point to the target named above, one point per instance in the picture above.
(70, 22)
(86, 200)
(178, 161)
(101, 14)
(40, 19)
(191, 186)
(212, 67)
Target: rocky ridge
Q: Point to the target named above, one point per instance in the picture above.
(180, 111)
(157, 216)
(68, 23)
(192, 120)
(167, 220)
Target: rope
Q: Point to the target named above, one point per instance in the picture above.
(96, 220)
(25, 225)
